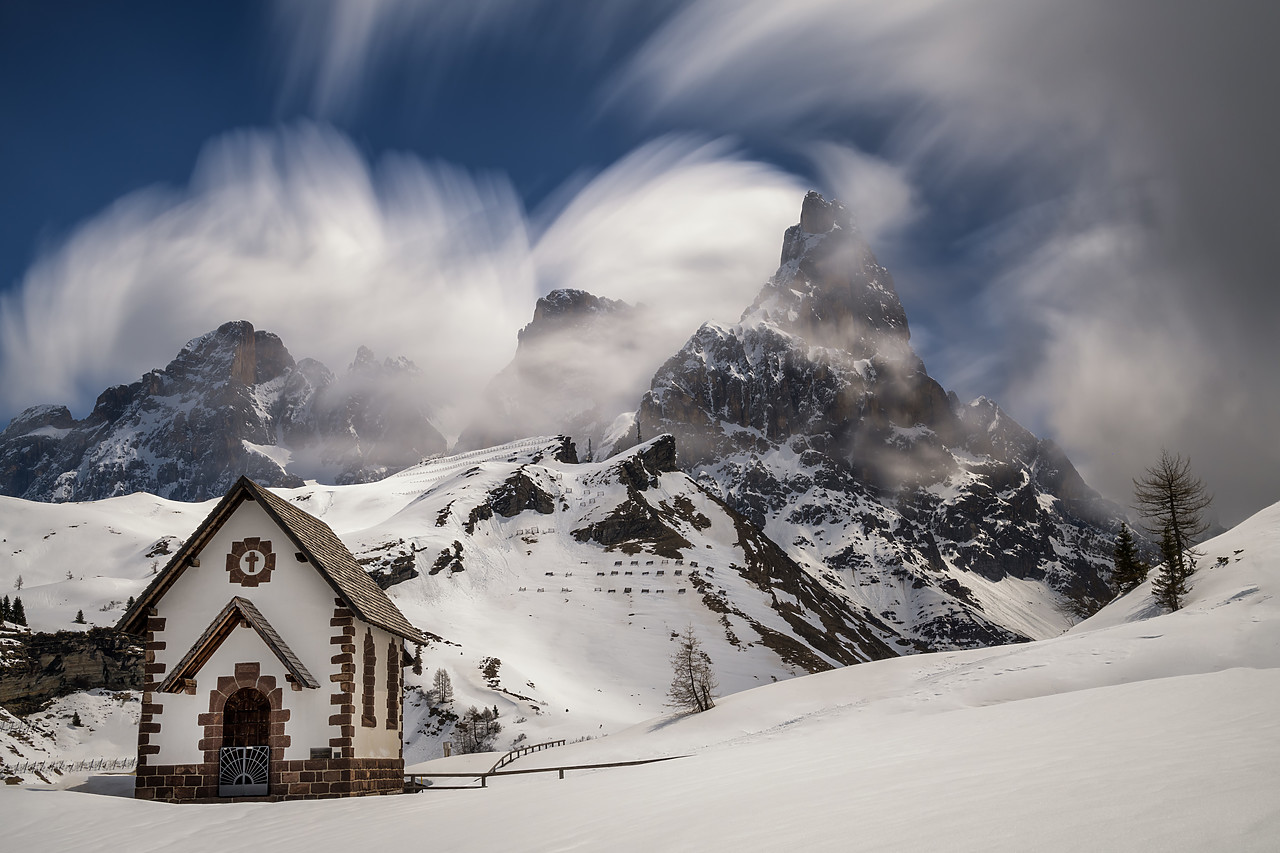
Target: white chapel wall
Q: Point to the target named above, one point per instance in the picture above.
(378, 741)
(297, 601)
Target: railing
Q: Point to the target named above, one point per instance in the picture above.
(413, 783)
(523, 750)
(71, 766)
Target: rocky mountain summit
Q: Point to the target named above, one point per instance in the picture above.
(232, 402)
(565, 375)
(815, 419)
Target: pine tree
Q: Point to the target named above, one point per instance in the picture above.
(19, 612)
(1173, 501)
(6, 610)
(75, 719)
(79, 620)
(1130, 569)
(1170, 585)
(18, 584)
(693, 683)
(417, 660)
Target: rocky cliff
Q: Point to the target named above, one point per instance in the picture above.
(232, 402)
(815, 419)
(38, 667)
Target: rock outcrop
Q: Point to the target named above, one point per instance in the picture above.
(40, 667)
(232, 402)
(815, 419)
(566, 374)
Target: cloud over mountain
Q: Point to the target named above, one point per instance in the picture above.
(298, 232)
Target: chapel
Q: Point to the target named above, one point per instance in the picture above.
(274, 664)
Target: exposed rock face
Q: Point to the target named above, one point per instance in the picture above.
(232, 402)
(815, 419)
(44, 666)
(565, 376)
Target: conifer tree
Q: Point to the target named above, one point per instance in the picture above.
(1130, 569)
(417, 660)
(443, 686)
(6, 610)
(1170, 585)
(1173, 502)
(19, 612)
(79, 620)
(693, 683)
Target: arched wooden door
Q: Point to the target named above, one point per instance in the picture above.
(245, 758)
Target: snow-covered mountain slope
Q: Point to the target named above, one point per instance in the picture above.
(814, 418)
(232, 402)
(1136, 730)
(537, 573)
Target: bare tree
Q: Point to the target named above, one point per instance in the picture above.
(693, 683)
(476, 731)
(1172, 502)
(443, 686)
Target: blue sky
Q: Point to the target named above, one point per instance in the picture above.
(1075, 198)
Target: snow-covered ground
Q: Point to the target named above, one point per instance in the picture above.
(1136, 730)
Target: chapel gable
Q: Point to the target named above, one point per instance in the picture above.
(262, 634)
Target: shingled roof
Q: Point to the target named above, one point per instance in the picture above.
(237, 610)
(321, 546)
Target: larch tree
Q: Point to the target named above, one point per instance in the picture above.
(693, 682)
(1172, 501)
(443, 686)
(1129, 568)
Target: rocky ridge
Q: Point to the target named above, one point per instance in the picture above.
(815, 419)
(564, 376)
(232, 402)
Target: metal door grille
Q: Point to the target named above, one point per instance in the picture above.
(242, 771)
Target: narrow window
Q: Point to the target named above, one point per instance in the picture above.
(367, 717)
(393, 686)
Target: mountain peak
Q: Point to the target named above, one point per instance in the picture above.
(235, 351)
(568, 308)
(819, 216)
(830, 290)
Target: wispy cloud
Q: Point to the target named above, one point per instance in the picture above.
(298, 233)
(1120, 157)
(1133, 139)
(335, 50)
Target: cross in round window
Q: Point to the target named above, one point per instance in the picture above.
(251, 561)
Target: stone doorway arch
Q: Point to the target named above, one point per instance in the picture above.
(246, 719)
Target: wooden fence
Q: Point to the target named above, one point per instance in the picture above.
(414, 783)
(71, 766)
(523, 750)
